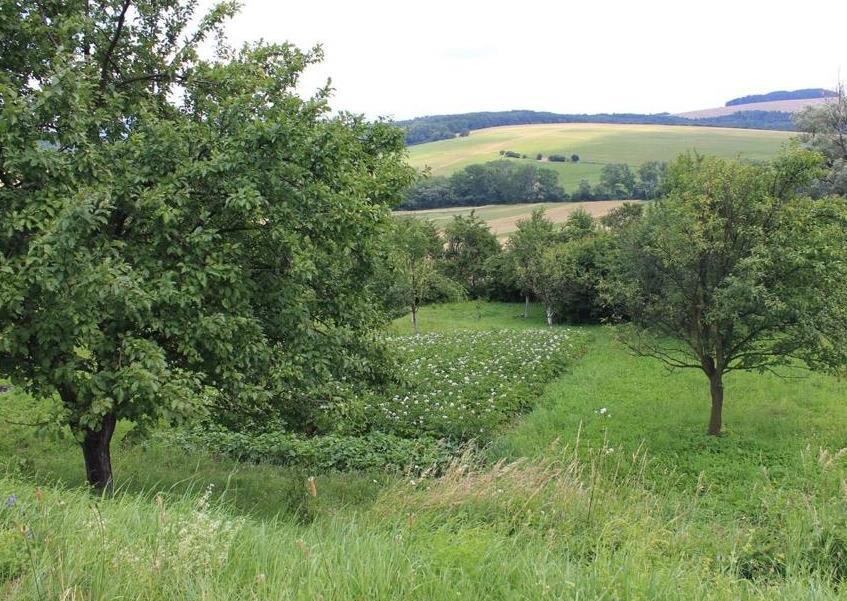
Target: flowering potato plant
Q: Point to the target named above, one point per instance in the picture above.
(463, 385)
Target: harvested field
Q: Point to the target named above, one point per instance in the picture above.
(503, 219)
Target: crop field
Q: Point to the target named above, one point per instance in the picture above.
(503, 219)
(596, 144)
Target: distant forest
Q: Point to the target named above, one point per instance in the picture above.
(443, 127)
(783, 95)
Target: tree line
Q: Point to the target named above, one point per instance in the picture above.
(508, 182)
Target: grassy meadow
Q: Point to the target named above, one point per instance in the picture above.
(605, 487)
(596, 144)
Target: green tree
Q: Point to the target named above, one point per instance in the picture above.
(617, 181)
(824, 128)
(623, 216)
(565, 274)
(736, 271)
(417, 248)
(177, 234)
(651, 175)
(470, 244)
(525, 245)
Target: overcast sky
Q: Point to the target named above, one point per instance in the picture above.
(403, 59)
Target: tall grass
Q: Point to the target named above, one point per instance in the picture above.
(568, 526)
(633, 502)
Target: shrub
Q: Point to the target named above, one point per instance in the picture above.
(557, 158)
(375, 451)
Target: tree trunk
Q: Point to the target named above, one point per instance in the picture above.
(98, 459)
(716, 389)
(549, 311)
(526, 306)
(415, 319)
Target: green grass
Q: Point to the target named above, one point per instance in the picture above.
(596, 144)
(450, 317)
(637, 505)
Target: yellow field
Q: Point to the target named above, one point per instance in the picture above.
(503, 219)
(596, 144)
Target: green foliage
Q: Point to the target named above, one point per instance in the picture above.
(496, 182)
(616, 181)
(651, 177)
(565, 271)
(824, 128)
(522, 248)
(179, 234)
(412, 273)
(470, 244)
(736, 271)
(623, 216)
(370, 452)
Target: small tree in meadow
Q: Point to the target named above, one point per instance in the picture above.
(417, 247)
(735, 270)
(525, 245)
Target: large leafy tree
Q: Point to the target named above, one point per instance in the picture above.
(734, 270)
(177, 233)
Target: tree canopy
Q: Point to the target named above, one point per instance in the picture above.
(736, 270)
(178, 234)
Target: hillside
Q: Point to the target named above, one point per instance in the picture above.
(432, 128)
(805, 94)
(596, 144)
(784, 106)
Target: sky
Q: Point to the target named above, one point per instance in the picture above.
(402, 59)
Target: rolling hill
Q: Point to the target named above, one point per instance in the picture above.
(596, 144)
(784, 106)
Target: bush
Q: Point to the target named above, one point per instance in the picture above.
(557, 158)
(511, 154)
(539, 157)
(375, 451)
(575, 158)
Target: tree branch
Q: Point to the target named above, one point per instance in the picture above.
(107, 58)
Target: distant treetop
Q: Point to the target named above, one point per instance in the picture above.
(783, 95)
